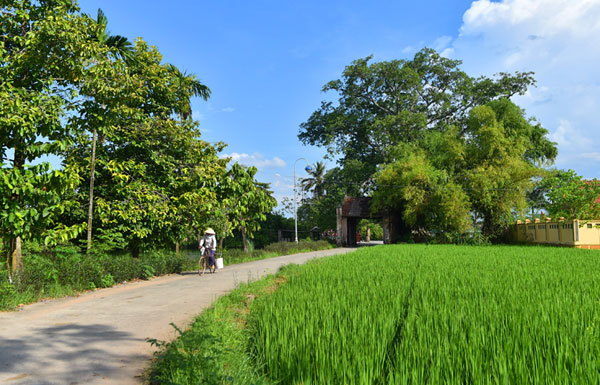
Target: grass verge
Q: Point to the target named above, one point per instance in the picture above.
(274, 250)
(215, 348)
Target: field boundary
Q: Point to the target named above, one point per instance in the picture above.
(399, 333)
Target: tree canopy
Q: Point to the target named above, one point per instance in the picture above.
(120, 119)
(44, 50)
(568, 195)
(442, 148)
(386, 103)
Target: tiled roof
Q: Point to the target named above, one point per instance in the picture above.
(357, 207)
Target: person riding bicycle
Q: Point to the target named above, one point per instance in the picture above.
(208, 242)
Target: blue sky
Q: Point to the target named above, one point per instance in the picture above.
(266, 61)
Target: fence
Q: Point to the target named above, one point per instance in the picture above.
(573, 233)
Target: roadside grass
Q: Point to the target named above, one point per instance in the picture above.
(64, 271)
(11, 299)
(214, 350)
(235, 256)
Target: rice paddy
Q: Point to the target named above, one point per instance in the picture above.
(418, 314)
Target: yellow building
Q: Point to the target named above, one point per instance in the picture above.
(573, 233)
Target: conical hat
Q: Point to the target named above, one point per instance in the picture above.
(209, 231)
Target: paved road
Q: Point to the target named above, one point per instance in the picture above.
(100, 337)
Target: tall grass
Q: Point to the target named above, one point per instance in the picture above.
(502, 315)
(322, 325)
(417, 314)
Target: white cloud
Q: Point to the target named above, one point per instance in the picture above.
(408, 49)
(558, 40)
(447, 52)
(442, 43)
(198, 115)
(228, 109)
(595, 156)
(256, 159)
(567, 136)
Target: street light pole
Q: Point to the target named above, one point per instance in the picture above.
(295, 203)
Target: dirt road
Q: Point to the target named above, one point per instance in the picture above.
(100, 337)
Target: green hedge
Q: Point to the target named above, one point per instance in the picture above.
(64, 270)
(273, 250)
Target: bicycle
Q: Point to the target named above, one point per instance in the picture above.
(204, 260)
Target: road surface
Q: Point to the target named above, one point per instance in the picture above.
(100, 337)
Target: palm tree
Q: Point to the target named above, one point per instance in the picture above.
(187, 86)
(120, 48)
(316, 179)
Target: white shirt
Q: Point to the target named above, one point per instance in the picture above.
(210, 241)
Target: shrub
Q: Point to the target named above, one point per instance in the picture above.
(147, 272)
(108, 280)
(472, 239)
(65, 268)
(7, 292)
(283, 248)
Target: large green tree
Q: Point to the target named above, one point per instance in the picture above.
(383, 104)
(192, 189)
(432, 143)
(44, 49)
(243, 203)
(427, 197)
(442, 181)
(102, 87)
(151, 165)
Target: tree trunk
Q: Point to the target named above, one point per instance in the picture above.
(177, 249)
(15, 244)
(91, 203)
(16, 261)
(134, 248)
(244, 239)
(222, 238)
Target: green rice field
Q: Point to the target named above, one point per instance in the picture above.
(418, 314)
(406, 314)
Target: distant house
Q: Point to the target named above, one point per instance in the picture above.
(571, 233)
(577, 233)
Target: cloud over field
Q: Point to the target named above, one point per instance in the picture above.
(556, 39)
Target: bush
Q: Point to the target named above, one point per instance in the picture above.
(238, 255)
(283, 248)
(7, 292)
(472, 239)
(108, 280)
(65, 269)
(147, 271)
